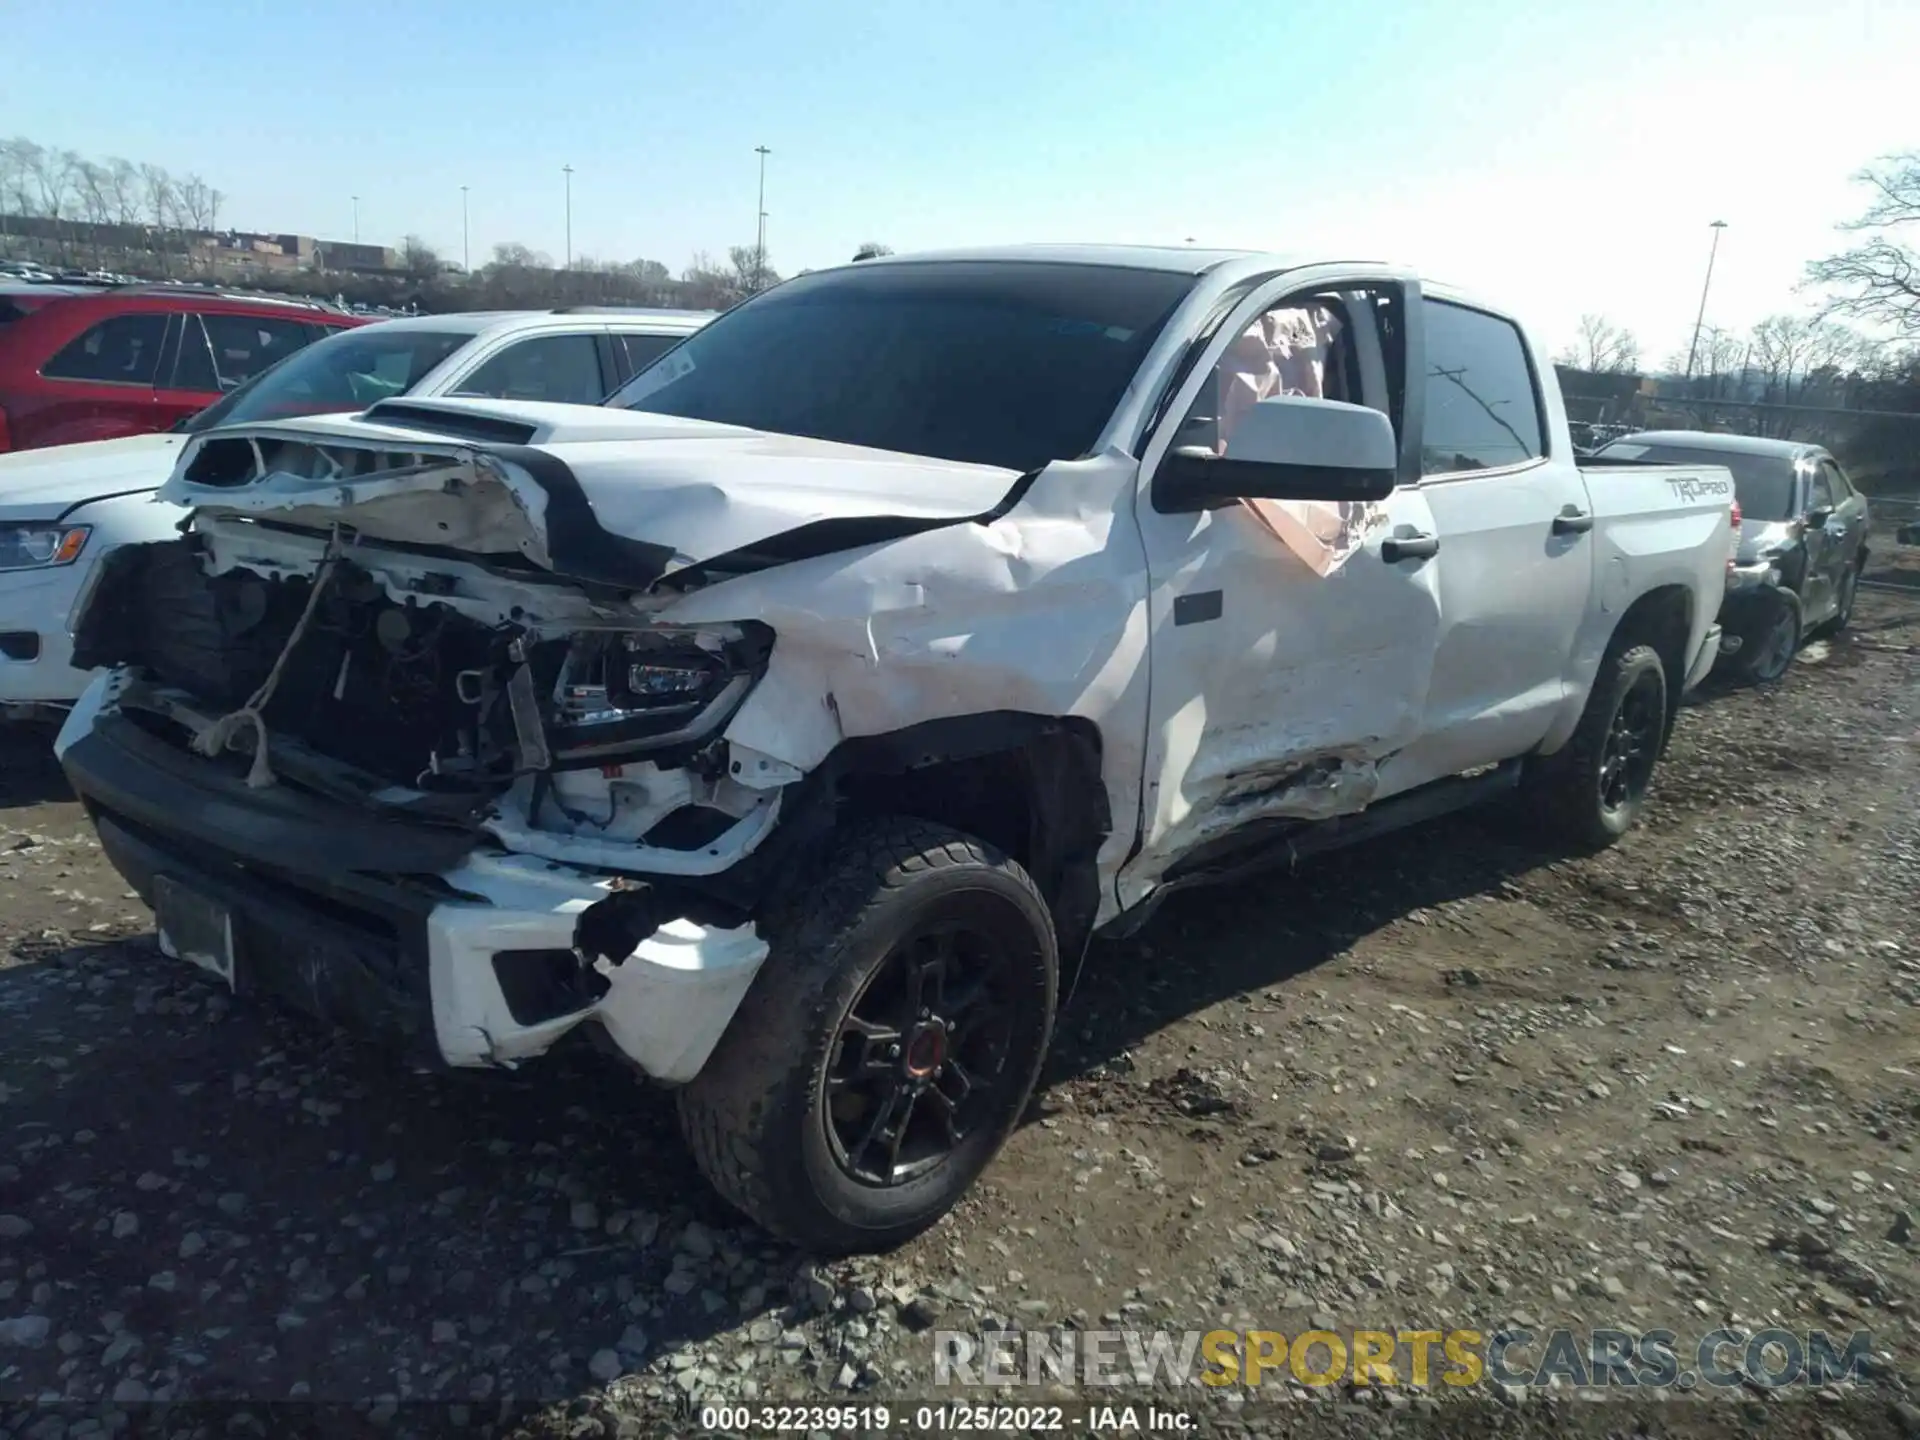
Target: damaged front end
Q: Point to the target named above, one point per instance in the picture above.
(449, 797)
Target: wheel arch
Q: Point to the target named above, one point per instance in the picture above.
(1663, 619)
(1030, 785)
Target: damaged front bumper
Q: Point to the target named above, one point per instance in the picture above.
(432, 936)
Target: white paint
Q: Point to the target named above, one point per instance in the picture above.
(1316, 690)
(699, 489)
(671, 999)
(1303, 430)
(669, 1002)
(550, 836)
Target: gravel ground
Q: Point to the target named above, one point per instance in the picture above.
(1445, 1080)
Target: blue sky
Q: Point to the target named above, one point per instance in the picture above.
(1563, 156)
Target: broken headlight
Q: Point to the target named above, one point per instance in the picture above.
(649, 689)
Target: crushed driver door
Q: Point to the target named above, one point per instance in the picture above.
(1292, 642)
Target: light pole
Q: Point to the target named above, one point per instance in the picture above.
(1694, 349)
(760, 234)
(567, 170)
(356, 219)
(466, 259)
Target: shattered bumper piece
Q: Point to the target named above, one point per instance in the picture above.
(423, 936)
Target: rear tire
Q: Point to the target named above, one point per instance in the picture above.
(1849, 593)
(1768, 654)
(1591, 790)
(887, 1047)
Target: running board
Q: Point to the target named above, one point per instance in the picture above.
(1263, 850)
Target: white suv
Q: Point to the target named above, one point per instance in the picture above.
(63, 507)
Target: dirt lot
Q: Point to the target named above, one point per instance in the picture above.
(1446, 1080)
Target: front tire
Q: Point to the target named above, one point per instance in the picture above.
(888, 1046)
(1593, 788)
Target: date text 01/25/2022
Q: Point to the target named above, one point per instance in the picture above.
(944, 1418)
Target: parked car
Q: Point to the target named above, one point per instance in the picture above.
(1802, 544)
(137, 359)
(21, 297)
(63, 508)
(796, 718)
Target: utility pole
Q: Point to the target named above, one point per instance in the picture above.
(466, 259)
(1698, 320)
(568, 171)
(760, 240)
(356, 219)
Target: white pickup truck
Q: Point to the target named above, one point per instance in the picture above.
(792, 722)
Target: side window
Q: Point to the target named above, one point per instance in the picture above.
(643, 350)
(1837, 479)
(123, 351)
(194, 369)
(1302, 346)
(560, 368)
(1821, 495)
(1483, 408)
(244, 345)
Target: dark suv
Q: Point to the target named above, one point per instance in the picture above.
(134, 359)
(1802, 546)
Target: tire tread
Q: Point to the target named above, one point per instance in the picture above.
(723, 1110)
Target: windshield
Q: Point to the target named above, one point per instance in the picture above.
(1010, 364)
(1764, 483)
(348, 371)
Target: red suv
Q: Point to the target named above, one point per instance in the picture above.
(139, 358)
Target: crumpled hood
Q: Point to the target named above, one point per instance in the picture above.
(44, 484)
(1761, 538)
(616, 496)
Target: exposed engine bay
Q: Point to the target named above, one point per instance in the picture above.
(531, 728)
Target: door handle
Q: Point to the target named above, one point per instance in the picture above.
(1572, 522)
(1409, 547)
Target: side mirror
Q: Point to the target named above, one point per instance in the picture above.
(1818, 517)
(1287, 447)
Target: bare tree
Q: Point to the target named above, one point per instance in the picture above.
(158, 193)
(52, 172)
(514, 255)
(751, 273)
(651, 272)
(872, 250)
(196, 202)
(123, 191)
(1602, 347)
(419, 260)
(1791, 352)
(19, 158)
(1878, 280)
(707, 284)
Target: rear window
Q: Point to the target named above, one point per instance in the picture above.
(643, 350)
(1764, 483)
(124, 350)
(349, 371)
(1008, 364)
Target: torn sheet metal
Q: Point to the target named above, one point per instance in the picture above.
(617, 497)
